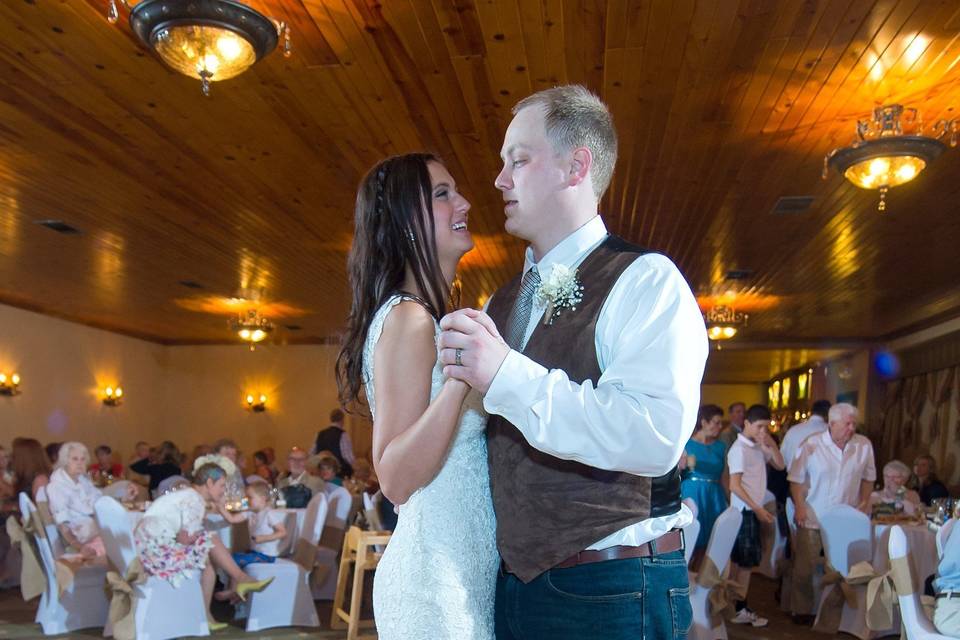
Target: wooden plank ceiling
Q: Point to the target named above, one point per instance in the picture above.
(722, 108)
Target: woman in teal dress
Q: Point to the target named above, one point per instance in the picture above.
(704, 470)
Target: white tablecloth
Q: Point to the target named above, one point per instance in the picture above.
(923, 551)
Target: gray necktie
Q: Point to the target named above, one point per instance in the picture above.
(520, 316)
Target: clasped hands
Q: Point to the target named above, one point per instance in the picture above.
(470, 348)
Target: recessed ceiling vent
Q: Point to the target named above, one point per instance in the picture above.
(59, 226)
(191, 284)
(739, 274)
(792, 204)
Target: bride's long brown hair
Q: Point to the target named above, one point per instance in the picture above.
(393, 231)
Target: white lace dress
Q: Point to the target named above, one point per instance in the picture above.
(437, 578)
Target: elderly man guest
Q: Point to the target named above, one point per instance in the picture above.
(297, 472)
(839, 468)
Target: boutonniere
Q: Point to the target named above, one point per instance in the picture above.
(560, 290)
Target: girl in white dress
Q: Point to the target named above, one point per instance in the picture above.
(438, 574)
(173, 545)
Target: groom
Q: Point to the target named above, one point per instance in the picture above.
(592, 394)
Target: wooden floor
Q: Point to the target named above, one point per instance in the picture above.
(16, 618)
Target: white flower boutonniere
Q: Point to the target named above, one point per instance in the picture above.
(560, 290)
(221, 461)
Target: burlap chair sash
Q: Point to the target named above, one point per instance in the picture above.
(843, 592)
(123, 600)
(33, 581)
(721, 603)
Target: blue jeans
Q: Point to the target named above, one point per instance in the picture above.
(628, 599)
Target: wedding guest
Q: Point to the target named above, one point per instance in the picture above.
(704, 466)
(839, 466)
(52, 450)
(946, 612)
(141, 451)
(297, 473)
(71, 497)
(736, 412)
(747, 465)
(228, 449)
(267, 527)
(798, 433)
(105, 466)
(336, 440)
(167, 464)
(895, 476)
(328, 467)
(6, 474)
(31, 466)
(926, 482)
(198, 451)
(262, 467)
(172, 543)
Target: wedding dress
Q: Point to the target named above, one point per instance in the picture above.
(437, 577)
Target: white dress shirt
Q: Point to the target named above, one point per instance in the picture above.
(71, 503)
(797, 435)
(834, 474)
(651, 345)
(748, 458)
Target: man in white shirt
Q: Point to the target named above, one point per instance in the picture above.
(839, 467)
(747, 462)
(592, 396)
(798, 433)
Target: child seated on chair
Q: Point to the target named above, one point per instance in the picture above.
(267, 529)
(747, 462)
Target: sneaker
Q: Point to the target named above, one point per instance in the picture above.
(745, 616)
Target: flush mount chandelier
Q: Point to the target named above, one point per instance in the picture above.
(883, 156)
(723, 323)
(210, 40)
(251, 327)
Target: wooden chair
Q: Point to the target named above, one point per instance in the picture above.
(359, 550)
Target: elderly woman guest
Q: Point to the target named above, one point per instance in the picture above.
(328, 467)
(172, 543)
(71, 496)
(31, 468)
(895, 476)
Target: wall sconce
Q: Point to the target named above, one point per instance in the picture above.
(256, 404)
(9, 386)
(112, 396)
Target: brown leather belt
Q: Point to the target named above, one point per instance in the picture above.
(670, 541)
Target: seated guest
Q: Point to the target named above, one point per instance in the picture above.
(228, 449)
(839, 466)
(6, 474)
(167, 464)
(327, 466)
(31, 467)
(52, 450)
(172, 543)
(704, 472)
(747, 464)
(895, 476)
(141, 451)
(266, 524)
(946, 612)
(297, 472)
(925, 480)
(71, 496)
(105, 468)
(261, 467)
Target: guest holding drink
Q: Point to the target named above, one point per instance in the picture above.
(704, 472)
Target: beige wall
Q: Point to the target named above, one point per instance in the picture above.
(63, 366)
(189, 395)
(723, 395)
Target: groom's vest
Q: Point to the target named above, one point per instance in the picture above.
(549, 509)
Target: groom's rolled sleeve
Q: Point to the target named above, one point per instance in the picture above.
(652, 346)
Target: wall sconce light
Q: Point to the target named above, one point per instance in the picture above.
(112, 396)
(257, 404)
(9, 386)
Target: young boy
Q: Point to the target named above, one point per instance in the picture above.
(747, 462)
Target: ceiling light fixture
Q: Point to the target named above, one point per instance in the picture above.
(251, 327)
(883, 156)
(210, 40)
(723, 323)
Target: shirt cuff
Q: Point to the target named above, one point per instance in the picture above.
(507, 395)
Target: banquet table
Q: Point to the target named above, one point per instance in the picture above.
(923, 550)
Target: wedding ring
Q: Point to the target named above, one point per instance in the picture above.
(459, 354)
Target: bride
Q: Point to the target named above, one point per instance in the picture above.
(437, 577)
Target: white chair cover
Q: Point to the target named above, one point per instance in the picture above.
(53, 534)
(340, 504)
(162, 610)
(82, 605)
(288, 601)
(774, 542)
(944, 534)
(915, 621)
(719, 547)
(847, 539)
(116, 490)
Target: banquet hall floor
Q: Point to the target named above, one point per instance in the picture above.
(16, 618)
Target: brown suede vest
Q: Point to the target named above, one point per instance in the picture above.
(549, 509)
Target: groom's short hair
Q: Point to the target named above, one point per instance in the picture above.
(575, 117)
